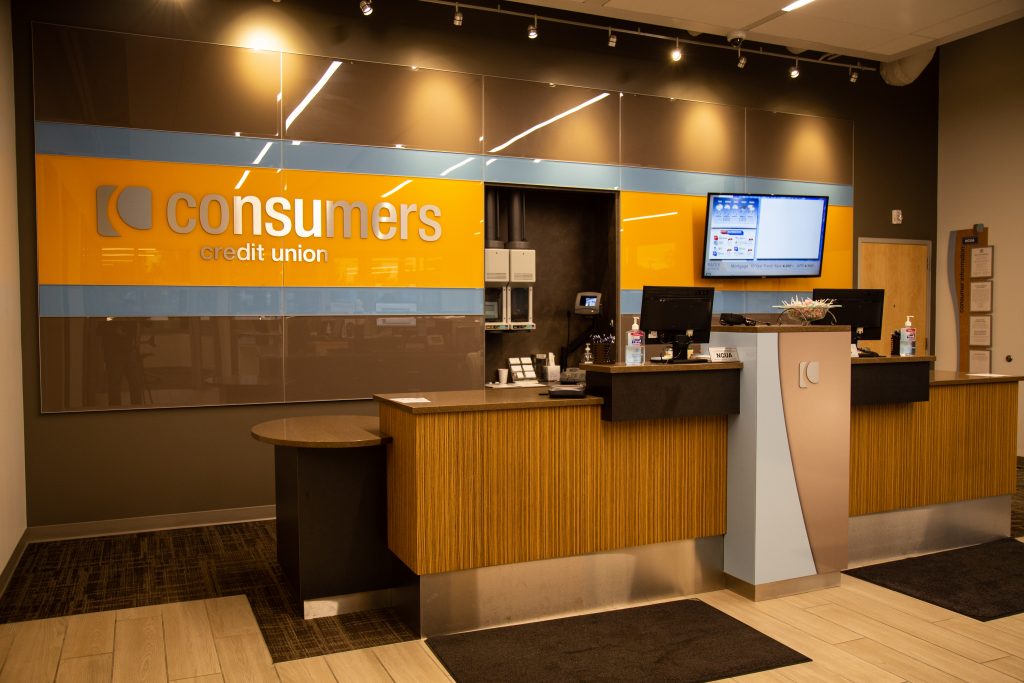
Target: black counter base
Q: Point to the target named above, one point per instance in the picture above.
(652, 395)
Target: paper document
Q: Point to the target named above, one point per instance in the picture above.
(411, 399)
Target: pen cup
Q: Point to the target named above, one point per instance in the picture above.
(502, 375)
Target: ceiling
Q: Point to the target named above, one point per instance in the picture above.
(882, 30)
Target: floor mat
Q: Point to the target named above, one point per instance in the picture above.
(62, 578)
(684, 640)
(983, 582)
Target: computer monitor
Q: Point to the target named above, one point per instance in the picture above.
(861, 309)
(679, 315)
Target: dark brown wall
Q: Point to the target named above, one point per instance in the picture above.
(100, 466)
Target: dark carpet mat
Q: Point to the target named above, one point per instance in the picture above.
(62, 578)
(1017, 507)
(685, 640)
(983, 582)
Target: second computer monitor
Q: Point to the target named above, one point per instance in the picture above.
(861, 309)
(675, 312)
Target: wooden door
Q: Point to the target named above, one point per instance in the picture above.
(903, 270)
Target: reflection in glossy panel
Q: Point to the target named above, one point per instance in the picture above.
(796, 147)
(682, 135)
(113, 79)
(526, 119)
(115, 363)
(358, 356)
(362, 103)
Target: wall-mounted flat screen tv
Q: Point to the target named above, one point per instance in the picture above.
(764, 235)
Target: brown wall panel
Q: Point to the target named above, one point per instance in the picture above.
(114, 79)
(330, 357)
(513, 107)
(658, 132)
(958, 445)
(107, 364)
(384, 105)
(792, 147)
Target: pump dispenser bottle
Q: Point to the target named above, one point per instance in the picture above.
(635, 344)
(908, 338)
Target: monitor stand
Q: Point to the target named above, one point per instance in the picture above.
(680, 349)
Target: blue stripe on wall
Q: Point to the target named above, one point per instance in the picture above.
(59, 301)
(726, 301)
(225, 150)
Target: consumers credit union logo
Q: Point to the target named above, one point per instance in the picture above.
(133, 205)
(216, 214)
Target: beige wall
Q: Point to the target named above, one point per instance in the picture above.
(981, 180)
(12, 426)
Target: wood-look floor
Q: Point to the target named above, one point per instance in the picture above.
(856, 632)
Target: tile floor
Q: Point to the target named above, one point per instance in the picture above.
(856, 632)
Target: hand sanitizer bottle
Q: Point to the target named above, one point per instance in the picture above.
(908, 338)
(588, 356)
(635, 344)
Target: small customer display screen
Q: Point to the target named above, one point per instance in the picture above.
(588, 303)
(756, 235)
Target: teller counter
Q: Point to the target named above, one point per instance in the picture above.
(932, 474)
(510, 505)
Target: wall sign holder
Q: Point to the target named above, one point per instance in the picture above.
(970, 281)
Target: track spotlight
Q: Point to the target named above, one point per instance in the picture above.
(366, 7)
(677, 52)
(531, 32)
(854, 75)
(457, 19)
(741, 60)
(794, 71)
(612, 38)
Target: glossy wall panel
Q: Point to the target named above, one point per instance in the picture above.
(538, 120)
(366, 355)
(115, 79)
(792, 147)
(104, 364)
(677, 134)
(362, 103)
(127, 363)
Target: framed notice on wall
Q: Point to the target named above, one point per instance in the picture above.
(980, 362)
(981, 330)
(981, 296)
(981, 262)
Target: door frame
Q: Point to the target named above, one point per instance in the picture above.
(929, 301)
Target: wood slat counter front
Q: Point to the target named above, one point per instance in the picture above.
(499, 476)
(958, 445)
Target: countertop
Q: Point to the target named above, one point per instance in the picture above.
(893, 359)
(622, 368)
(322, 431)
(472, 400)
(776, 329)
(948, 377)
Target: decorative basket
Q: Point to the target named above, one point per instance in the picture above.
(806, 311)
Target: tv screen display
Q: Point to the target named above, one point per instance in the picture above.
(760, 235)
